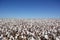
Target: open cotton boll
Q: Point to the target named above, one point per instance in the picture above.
(46, 36)
(31, 38)
(1, 36)
(57, 38)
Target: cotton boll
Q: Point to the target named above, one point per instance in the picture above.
(16, 36)
(46, 36)
(4, 38)
(22, 36)
(10, 39)
(57, 38)
(1, 36)
(28, 32)
(39, 38)
(31, 38)
(8, 35)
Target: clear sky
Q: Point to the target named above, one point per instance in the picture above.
(29, 8)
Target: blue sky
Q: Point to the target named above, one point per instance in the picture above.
(29, 8)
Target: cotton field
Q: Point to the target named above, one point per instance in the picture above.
(29, 29)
